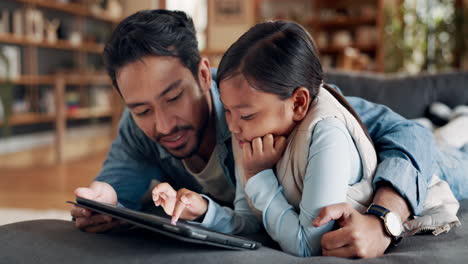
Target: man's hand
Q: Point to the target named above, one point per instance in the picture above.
(183, 204)
(89, 221)
(263, 153)
(361, 236)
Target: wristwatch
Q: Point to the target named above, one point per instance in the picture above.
(391, 221)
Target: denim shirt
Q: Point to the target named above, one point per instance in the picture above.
(404, 149)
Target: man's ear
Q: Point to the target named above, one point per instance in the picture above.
(204, 74)
(301, 102)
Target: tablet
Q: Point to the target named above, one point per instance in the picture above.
(182, 230)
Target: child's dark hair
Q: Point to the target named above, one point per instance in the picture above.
(152, 33)
(278, 57)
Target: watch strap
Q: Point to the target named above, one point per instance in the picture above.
(377, 210)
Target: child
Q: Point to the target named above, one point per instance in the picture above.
(297, 143)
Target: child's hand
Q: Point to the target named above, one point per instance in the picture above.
(262, 153)
(183, 203)
(189, 205)
(164, 195)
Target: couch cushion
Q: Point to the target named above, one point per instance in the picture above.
(408, 95)
(56, 241)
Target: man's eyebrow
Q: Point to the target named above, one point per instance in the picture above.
(170, 87)
(133, 105)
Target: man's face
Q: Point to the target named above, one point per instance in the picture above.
(166, 102)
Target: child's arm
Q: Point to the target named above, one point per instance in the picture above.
(325, 183)
(189, 205)
(224, 219)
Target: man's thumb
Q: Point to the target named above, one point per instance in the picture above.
(86, 193)
(98, 191)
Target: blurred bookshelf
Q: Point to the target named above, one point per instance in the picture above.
(59, 44)
(74, 8)
(54, 72)
(348, 33)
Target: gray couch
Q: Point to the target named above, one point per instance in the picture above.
(409, 96)
(54, 241)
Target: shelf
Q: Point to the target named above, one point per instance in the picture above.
(70, 79)
(339, 49)
(83, 15)
(60, 44)
(324, 18)
(72, 8)
(35, 118)
(210, 53)
(83, 79)
(84, 113)
(31, 80)
(29, 118)
(343, 22)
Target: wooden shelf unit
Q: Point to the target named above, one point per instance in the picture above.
(85, 113)
(350, 23)
(209, 53)
(60, 44)
(30, 80)
(80, 79)
(340, 49)
(316, 23)
(342, 22)
(78, 9)
(29, 118)
(62, 114)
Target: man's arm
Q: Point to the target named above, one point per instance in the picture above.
(359, 235)
(405, 153)
(124, 178)
(131, 164)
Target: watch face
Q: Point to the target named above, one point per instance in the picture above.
(393, 223)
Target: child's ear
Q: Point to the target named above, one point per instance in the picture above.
(301, 99)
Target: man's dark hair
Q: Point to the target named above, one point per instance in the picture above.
(152, 33)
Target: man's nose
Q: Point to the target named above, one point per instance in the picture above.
(164, 122)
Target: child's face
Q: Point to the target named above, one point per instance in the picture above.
(251, 113)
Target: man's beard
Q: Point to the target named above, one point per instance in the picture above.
(198, 140)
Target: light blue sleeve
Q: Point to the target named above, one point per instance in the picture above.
(325, 183)
(224, 219)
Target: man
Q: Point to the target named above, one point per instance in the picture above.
(175, 131)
